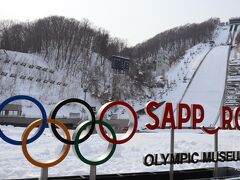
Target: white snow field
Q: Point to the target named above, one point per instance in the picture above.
(207, 87)
(126, 159)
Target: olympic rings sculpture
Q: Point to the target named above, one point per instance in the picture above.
(102, 128)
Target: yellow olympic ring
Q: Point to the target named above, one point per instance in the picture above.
(62, 155)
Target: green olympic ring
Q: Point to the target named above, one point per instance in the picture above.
(110, 150)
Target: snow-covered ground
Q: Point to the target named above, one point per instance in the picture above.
(127, 157)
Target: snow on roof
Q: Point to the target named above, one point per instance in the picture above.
(121, 57)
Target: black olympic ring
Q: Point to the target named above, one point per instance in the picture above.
(53, 114)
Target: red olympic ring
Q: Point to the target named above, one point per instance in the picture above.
(133, 122)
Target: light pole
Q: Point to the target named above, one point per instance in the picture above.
(93, 168)
(85, 94)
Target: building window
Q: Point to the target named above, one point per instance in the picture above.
(2, 113)
(13, 113)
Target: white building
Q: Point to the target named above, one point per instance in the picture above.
(162, 63)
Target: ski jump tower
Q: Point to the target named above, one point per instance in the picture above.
(233, 23)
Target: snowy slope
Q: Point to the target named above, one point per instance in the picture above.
(187, 67)
(47, 84)
(208, 85)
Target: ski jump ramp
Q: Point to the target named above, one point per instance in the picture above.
(207, 87)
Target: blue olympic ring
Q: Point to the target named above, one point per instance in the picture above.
(40, 129)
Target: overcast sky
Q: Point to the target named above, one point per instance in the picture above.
(132, 20)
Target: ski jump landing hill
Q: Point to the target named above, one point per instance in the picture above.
(208, 85)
